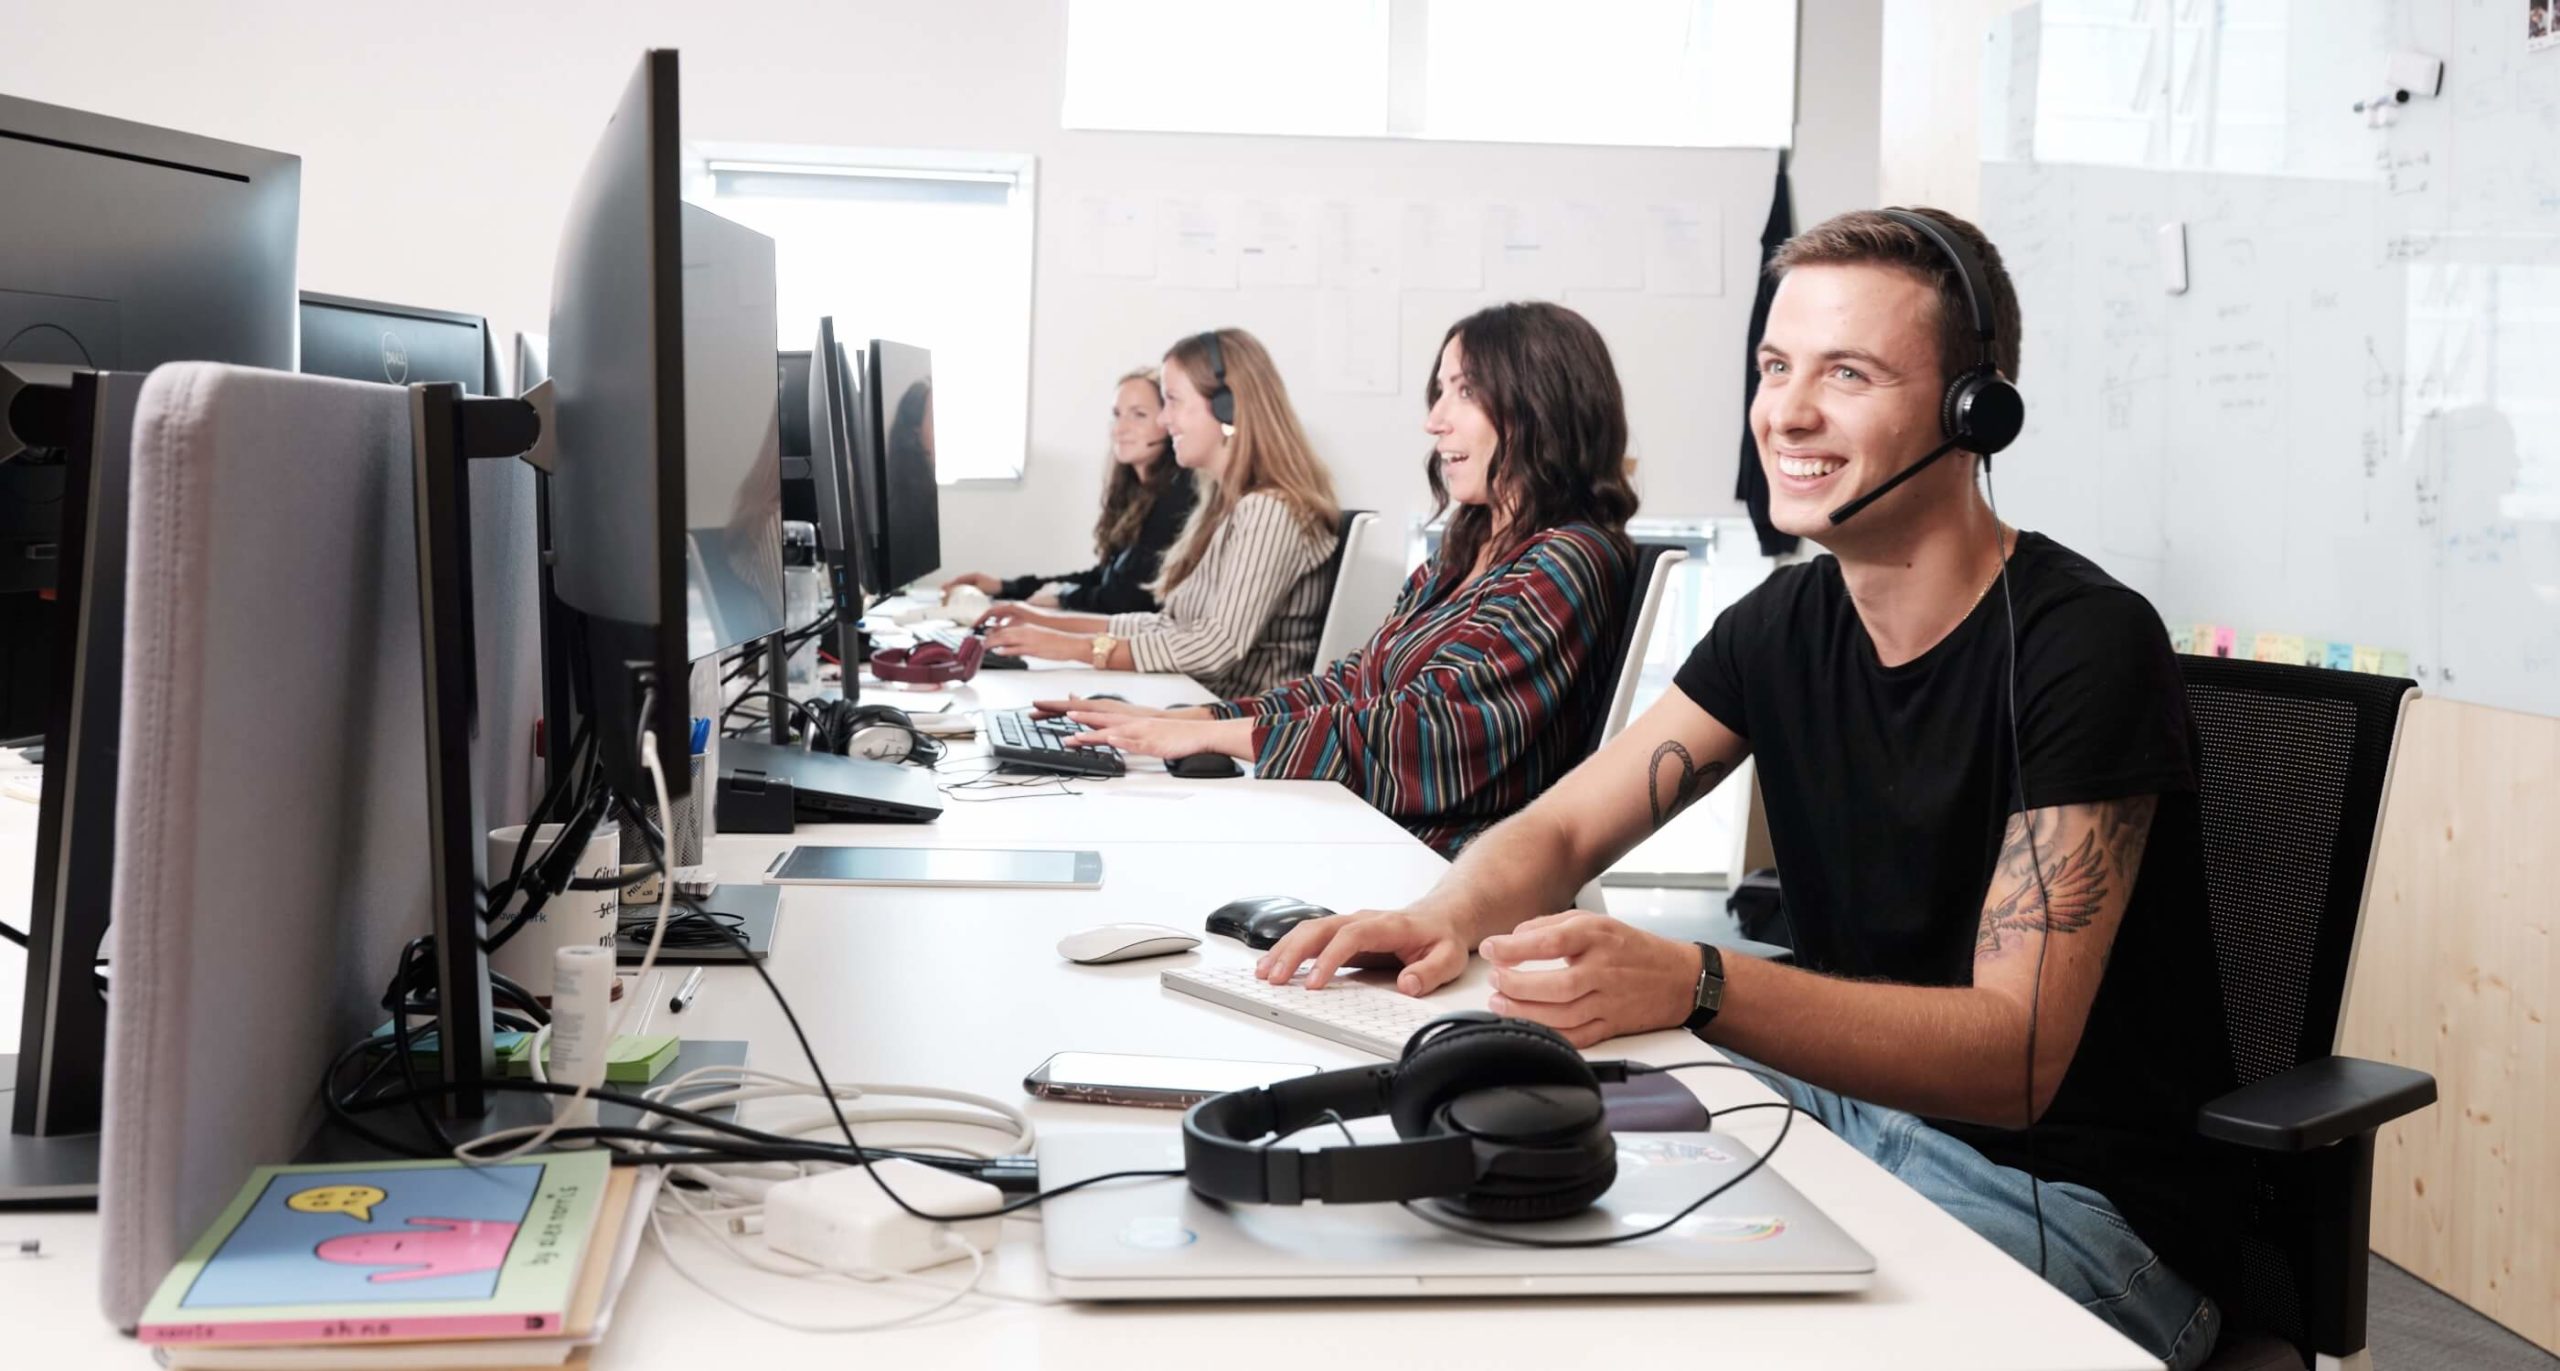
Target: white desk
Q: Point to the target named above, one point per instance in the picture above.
(962, 988)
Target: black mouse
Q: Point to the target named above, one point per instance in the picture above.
(1263, 920)
(1207, 766)
(1107, 695)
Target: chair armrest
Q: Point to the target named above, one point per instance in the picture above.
(2316, 1104)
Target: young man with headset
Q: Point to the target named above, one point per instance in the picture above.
(1979, 773)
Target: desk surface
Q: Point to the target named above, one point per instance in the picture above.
(963, 989)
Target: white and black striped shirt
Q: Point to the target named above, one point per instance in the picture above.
(1248, 616)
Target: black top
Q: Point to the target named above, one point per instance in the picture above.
(1888, 790)
(1120, 584)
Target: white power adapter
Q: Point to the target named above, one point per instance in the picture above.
(843, 1221)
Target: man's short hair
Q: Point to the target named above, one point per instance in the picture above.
(1868, 237)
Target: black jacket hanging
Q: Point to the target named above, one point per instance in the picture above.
(1751, 484)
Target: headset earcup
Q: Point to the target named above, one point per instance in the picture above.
(1982, 412)
(1475, 1056)
(1530, 1206)
(1223, 406)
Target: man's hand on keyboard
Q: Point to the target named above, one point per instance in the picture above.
(1431, 946)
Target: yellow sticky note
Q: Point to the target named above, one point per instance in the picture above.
(2368, 659)
(2289, 650)
(2268, 648)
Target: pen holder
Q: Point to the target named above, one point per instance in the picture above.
(683, 833)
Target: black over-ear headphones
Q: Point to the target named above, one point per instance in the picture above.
(1980, 411)
(1222, 401)
(1499, 1118)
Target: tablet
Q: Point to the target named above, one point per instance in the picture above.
(967, 866)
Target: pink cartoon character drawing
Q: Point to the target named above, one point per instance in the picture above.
(426, 1249)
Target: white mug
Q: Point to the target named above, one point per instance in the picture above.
(571, 918)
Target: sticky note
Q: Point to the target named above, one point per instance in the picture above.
(2182, 639)
(2338, 656)
(2395, 663)
(2269, 647)
(2368, 659)
(2225, 639)
(2290, 650)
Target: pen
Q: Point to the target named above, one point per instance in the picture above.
(684, 995)
(21, 1247)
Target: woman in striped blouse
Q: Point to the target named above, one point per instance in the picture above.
(1481, 689)
(1244, 591)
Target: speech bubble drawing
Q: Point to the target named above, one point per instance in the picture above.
(358, 1200)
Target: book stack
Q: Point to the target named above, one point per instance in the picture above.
(416, 1265)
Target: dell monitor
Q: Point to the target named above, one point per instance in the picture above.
(898, 403)
(363, 340)
(733, 437)
(617, 375)
(122, 246)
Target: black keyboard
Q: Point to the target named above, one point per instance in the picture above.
(1019, 739)
(952, 638)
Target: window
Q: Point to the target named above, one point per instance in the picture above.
(1672, 73)
(929, 248)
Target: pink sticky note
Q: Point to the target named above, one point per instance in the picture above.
(2225, 638)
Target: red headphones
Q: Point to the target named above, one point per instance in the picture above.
(929, 663)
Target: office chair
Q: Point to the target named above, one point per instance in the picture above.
(1620, 661)
(1341, 632)
(2296, 769)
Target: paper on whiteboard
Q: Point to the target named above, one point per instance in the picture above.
(1276, 243)
(1358, 243)
(1111, 237)
(1357, 334)
(1603, 248)
(1443, 248)
(1195, 248)
(1684, 250)
(1522, 256)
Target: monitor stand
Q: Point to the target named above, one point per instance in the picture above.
(53, 1172)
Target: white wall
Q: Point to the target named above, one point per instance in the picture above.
(439, 147)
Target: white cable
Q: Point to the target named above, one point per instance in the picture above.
(465, 1151)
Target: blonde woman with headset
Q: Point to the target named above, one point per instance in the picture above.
(1244, 590)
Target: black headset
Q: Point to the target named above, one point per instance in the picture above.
(1980, 411)
(1501, 1119)
(1222, 401)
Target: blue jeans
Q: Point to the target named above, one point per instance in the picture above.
(2091, 1253)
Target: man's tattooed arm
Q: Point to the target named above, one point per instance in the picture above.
(2083, 864)
(1674, 781)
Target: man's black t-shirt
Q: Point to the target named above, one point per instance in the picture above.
(1888, 790)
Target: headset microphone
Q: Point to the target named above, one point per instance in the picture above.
(1842, 514)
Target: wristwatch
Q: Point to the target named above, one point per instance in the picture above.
(1102, 645)
(1709, 996)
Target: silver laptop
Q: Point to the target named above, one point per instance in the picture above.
(1156, 1240)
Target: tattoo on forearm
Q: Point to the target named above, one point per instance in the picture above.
(2076, 883)
(1691, 781)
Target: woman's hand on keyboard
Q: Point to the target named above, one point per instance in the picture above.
(1431, 946)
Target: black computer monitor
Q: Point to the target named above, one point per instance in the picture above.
(366, 340)
(843, 485)
(618, 383)
(898, 401)
(733, 437)
(122, 246)
(791, 393)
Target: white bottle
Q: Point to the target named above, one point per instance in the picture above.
(581, 1030)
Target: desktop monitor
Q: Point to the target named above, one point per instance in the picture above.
(844, 484)
(618, 380)
(122, 246)
(363, 340)
(898, 404)
(732, 438)
(791, 390)
(533, 361)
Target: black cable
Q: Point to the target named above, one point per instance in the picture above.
(2035, 860)
(690, 927)
(1415, 1208)
(13, 935)
(800, 712)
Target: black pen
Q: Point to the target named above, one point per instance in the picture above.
(684, 994)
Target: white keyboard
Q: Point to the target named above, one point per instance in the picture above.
(1373, 1018)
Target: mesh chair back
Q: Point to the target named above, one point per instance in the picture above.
(2294, 764)
(1339, 634)
(1621, 661)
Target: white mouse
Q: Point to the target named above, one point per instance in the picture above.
(964, 604)
(1124, 943)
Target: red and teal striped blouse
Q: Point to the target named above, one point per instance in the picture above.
(1470, 700)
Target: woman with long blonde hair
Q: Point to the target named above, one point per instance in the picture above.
(1244, 590)
(1147, 501)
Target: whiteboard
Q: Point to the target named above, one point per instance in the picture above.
(2347, 429)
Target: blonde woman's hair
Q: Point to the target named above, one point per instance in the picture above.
(1127, 497)
(1269, 451)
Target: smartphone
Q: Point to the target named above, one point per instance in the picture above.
(1149, 1082)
